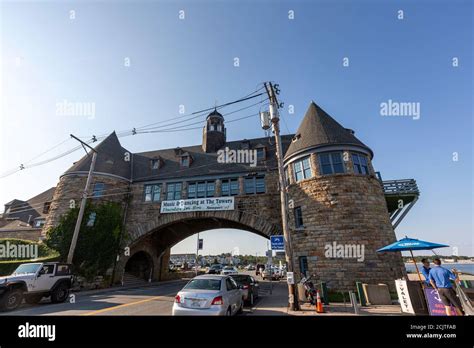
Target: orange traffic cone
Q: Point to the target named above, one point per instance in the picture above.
(319, 304)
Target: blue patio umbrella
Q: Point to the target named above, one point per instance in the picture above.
(410, 244)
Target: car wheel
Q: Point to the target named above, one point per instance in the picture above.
(33, 299)
(12, 300)
(229, 312)
(60, 294)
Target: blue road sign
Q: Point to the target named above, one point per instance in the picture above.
(277, 242)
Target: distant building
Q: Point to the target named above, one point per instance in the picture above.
(25, 219)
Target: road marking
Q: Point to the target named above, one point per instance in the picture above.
(125, 305)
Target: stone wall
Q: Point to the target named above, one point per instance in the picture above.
(69, 191)
(33, 234)
(348, 210)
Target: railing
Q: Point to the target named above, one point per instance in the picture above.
(404, 186)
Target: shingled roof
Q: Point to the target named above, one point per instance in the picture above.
(203, 163)
(110, 159)
(319, 129)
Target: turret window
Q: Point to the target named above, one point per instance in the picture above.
(302, 169)
(98, 190)
(331, 163)
(360, 164)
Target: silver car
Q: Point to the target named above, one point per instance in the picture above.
(209, 295)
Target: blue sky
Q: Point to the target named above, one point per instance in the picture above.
(46, 58)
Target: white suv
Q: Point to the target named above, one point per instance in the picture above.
(33, 281)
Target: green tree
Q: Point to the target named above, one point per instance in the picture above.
(98, 240)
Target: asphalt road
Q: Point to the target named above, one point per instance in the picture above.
(151, 300)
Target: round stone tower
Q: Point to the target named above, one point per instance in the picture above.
(339, 215)
(110, 181)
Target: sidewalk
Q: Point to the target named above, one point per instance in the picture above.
(276, 304)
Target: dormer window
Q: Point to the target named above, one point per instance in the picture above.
(155, 163)
(261, 153)
(360, 164)
(185, 161)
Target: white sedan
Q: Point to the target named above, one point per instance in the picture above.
(228, 270)
(209, 295)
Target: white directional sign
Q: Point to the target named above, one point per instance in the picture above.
(290, 278)
(199, 204)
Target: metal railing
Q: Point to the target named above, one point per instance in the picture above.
(397, 187)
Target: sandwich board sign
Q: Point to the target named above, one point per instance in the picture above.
(277, 242)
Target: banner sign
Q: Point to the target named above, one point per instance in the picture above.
(199, 204)
(404, 296)
(435, 305)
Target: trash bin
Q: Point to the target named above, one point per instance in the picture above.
(302, 293)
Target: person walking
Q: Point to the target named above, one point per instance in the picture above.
(440, 280)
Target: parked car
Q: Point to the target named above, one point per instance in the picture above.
(214, 269)
(228, 270)
(249, 287)
(275, 273)
(209, 295)
(250, 268)
(33, 281)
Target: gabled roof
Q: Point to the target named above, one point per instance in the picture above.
(110, 159)
(319, 129)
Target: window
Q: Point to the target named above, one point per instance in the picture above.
(230, 187)
(185, 161)
(360, 164)
(201, 189)
(255, 184)
(287, 175)
(46, 207)
(230, 284)
(174, 191)
(331, 163)
(155, 164)
(302, 169)
(298, 217)
(153, 193)
(91, 220)
(39, 223)
(98, 190)
(303, 261)
(260, 154)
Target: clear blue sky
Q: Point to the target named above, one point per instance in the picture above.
(47, 57)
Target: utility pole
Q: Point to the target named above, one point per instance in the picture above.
(274, 118)
(197, 253)
(83, 201)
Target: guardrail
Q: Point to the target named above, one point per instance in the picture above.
(397, 187)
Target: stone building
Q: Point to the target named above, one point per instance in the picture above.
(337, 200)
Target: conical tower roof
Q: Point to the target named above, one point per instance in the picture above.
(319, 129)
(110, 159)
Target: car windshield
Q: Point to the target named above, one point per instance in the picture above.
(27, 268)
(229, 268)
(216, 266)
(204, 284)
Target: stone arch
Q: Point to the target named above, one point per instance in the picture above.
(140, 264)
(158, 235)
